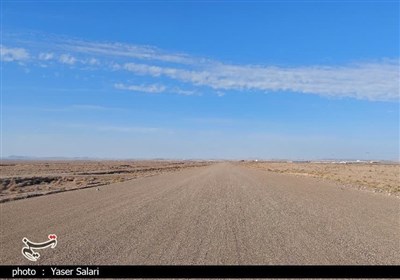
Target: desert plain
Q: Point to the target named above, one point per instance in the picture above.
(372, 176)
(24, 179)
(201, 212)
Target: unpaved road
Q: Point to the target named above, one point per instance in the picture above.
(220, 214)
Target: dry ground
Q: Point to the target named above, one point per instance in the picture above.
(217, 214)
(23, 179)
(372, 176)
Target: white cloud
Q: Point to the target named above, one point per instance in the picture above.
(372, 81)
(184, 91)
(67, 59)
(46, 56)
(92, 61)
(13, 54)
(155, 88)
(145, 69)
(127, 50)
(142, 88)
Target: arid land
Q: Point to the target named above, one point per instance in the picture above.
(222, 213)
(375, 176)
(24, 179)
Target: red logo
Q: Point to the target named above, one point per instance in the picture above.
(52, 236)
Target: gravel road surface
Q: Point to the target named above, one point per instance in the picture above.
(219, 214)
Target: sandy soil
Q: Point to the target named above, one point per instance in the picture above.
(371, 176)
(23, 179)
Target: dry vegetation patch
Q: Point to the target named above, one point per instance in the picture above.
(23, 179)
(378, 177)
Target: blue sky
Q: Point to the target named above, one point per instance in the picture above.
(287, 80)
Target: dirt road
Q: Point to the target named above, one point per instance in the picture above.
(220, 214)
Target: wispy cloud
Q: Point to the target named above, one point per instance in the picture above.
(46, 56)
(375, 81)
(155, 88)
(13, 54)
(184, 91)
(127, 51)
(372, 81)
(67, 59)
(92, 61)
(141, 88)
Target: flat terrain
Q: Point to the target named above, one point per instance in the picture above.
(377, 177)
(24, 179)
(218, 214)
